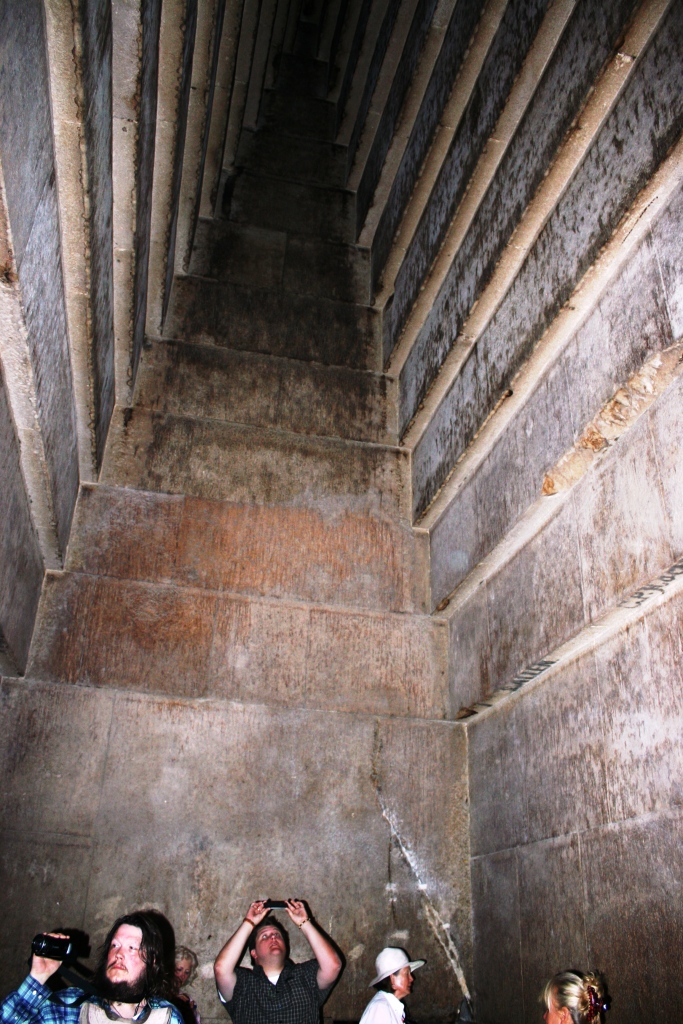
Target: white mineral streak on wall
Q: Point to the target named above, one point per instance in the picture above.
(440, 928)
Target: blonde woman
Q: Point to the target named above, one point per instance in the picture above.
(574, 998)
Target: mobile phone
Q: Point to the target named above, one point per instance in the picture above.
(275, 904)
(52, 948)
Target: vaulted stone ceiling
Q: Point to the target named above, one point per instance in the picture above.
(341, 534)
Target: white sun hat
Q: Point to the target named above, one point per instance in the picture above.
(391, 960)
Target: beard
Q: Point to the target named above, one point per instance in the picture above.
(123, 991)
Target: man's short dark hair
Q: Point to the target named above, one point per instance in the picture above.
(268, 922)
(151, 951)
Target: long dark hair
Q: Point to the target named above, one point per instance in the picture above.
(151, 951)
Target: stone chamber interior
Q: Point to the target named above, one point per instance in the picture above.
(341, 542)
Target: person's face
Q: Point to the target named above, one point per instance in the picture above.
(402, 982)
(555, 1016)
(183, 970)
(124, 960)
(270, 947)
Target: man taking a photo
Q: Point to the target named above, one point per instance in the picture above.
(276, 991)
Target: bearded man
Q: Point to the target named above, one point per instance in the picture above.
(129, 980)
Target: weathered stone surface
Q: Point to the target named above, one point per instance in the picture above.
(51, 784)
(469, 652)
(621, 521)
(520, 634)
(389, 118)
(552, 926)
(645, 122)
(21, 565)
(324, 330)
(666, 233)
(663, 421)
(307, 398)
(224, 461)
(291, 206)
(629, 322)
(455, 43)
(633, 881)
(96, 35)
(591, 756)
(254, 549)
(44, 879)
(29, 176)
(585, 44)
(306, 116)
(503, 61)
(192, 643)
(495, 927)
(320, 268)
(305, 160)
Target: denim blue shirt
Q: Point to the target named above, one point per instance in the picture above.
(33, 1003)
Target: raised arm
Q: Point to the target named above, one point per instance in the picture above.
(228, 958)
(24, 1005)
(328, 959)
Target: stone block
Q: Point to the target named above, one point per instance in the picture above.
(622, 524)
(469, 652)
(249, 465)
(193, 643)
(498, 800)
(667, 235)
(447, 431)
(551, 911)
(245, 255)
(629, 323)
(664, 420)
(21, 565)
(639, 680)
(266, 391)
(634, 920)
(44, 880)
(306, 160)
(306, 116)
(496, 936)
(51, 784)
(321, 268)
(454, 545)
(436, 835)
(283, 205)
(565, 779)
(135, 636)
(521, 631)
(323, 330)
(255, 550)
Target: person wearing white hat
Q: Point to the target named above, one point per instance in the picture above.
(393, 983)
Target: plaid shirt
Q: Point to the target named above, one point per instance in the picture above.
(296, 999)
(33, 1003)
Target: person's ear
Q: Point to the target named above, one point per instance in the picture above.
(252, 954)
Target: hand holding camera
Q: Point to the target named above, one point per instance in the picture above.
(49, 951)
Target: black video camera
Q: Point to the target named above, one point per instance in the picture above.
(52, 948)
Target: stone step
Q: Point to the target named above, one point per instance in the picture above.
(185, 642)
(274, 322)
(254, 465)
(579, 553)
(202, 381)
(302, 76)
(306, 116)
(308, 161)
(255, 550)
(284, 205)
(257, 257)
